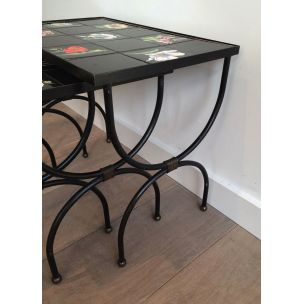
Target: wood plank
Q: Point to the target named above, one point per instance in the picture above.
(228, 273)
(155, 252)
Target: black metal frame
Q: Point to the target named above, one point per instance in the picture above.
(95, 177)
(166, 166)
(48, 108)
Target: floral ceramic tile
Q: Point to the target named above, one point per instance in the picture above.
(50, 33)
(75, 51)
(113, 26)
(48, 83)
(47, 33)
(157, 55)
(164, 39)
(100, 36)
(62, 24)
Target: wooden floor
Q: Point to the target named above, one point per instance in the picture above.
(187, 257)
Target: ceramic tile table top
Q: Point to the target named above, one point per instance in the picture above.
(105, 51)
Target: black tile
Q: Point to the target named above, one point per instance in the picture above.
(112, 26)
(62, 24)
(78, 30)
(101, 36)
(163, 39)
(176, 51)
(125, 44)
(59, 40)
(46, 32)
(99, 65)
(136, 32)
(76, 51)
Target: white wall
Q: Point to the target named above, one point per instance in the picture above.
(231, 151)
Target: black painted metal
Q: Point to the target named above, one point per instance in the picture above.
(98, 193)
(50, 152)
(206, 179)
(56, 277)
(99, 175)
(134, 151)
(72, 120)
(88, 127)
(101, 110)
(119, 148)
(137, 167)
(126, 215)
(86, 187)
(166, 166)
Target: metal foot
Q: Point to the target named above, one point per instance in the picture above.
(203, 208)
(108, 140)
(57, 280)
(122, 262)
(85, 154)
(108, 229)
(157, 217)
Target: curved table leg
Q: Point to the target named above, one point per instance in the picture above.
(166, 166)
(103, 174)
(121, 259)
(50, 152)
(81, 143)
(104, 203)
(101, 110)
(56, 277)
(206, 179)
(93, 174)
(156, 215)
(119, 148)
(73, 121)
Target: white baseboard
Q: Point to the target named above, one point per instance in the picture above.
(236, 204)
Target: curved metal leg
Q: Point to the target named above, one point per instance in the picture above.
(156, 215)
(56, 277)
(152, 180)
(166, 166)
(52, 183)
(89, 124)
(119, 148)
(108, 140)
(50, 152)
(134, 151)
(73, 121)
(206, 179)
(121, 259)
(101, 110)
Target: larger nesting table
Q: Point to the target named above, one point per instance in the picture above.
(99, 53)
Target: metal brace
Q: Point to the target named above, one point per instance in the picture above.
(108, 172)
(171, 164)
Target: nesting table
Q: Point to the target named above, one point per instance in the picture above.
(84, 55)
